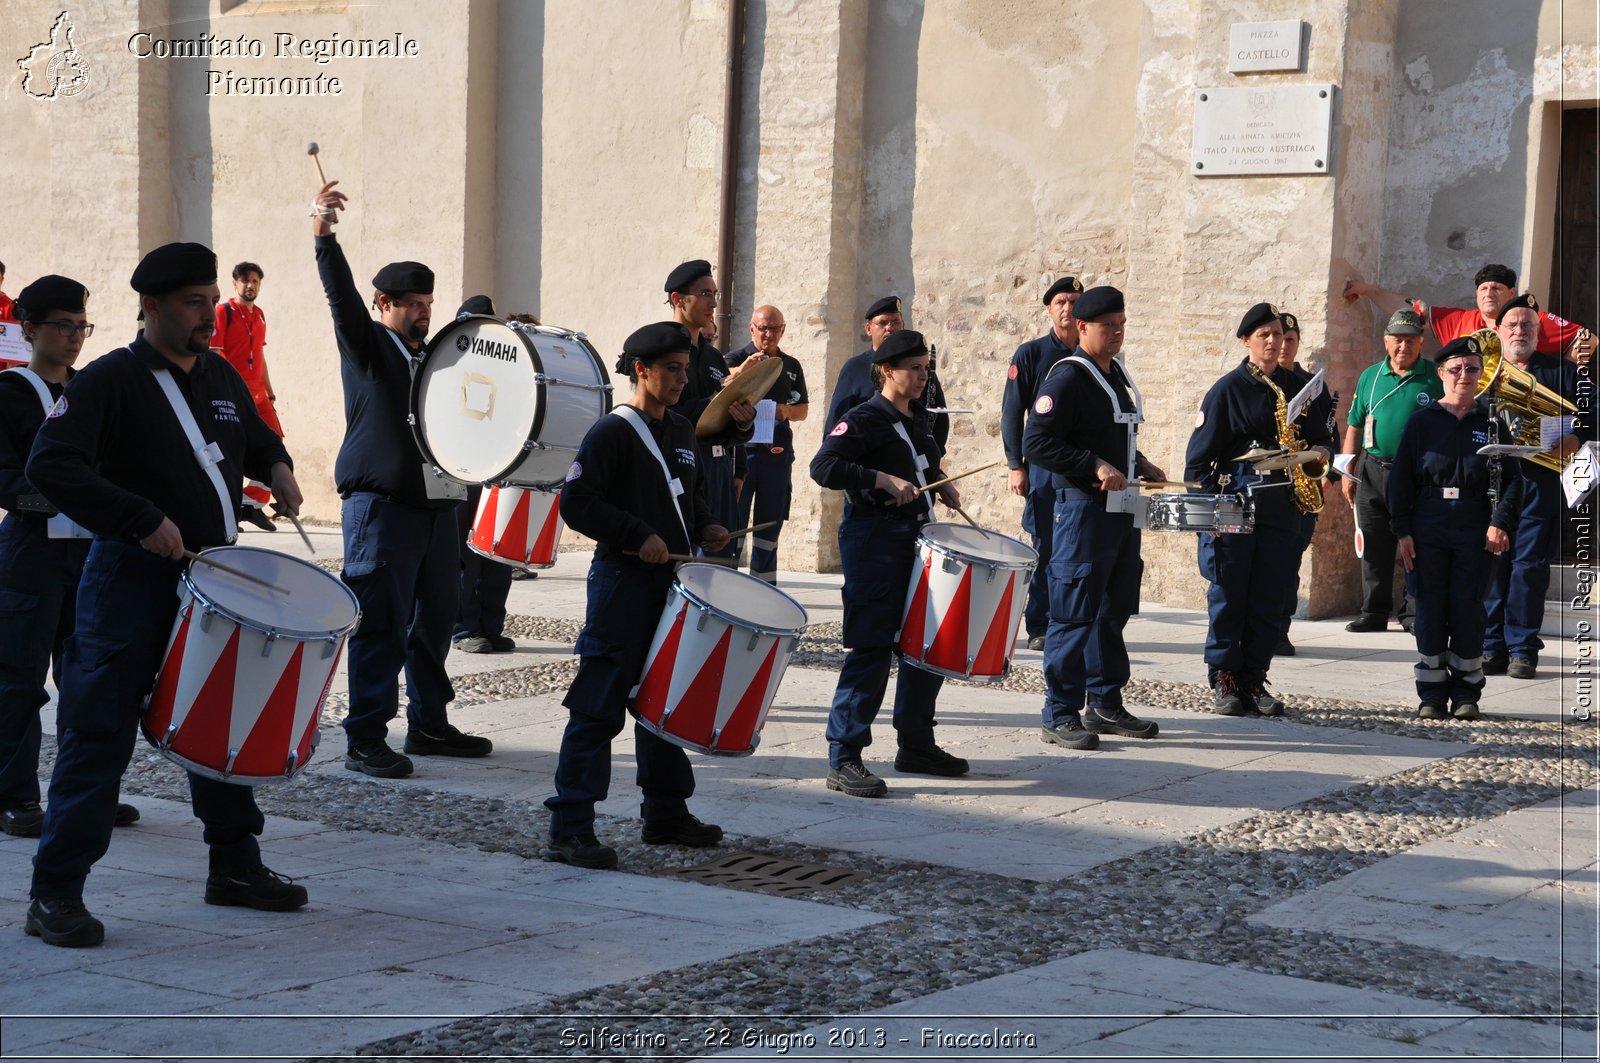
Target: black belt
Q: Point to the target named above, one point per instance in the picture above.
(1383, 463)
(1077, 494)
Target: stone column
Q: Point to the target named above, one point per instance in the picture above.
(804, 205)
(1202, 250)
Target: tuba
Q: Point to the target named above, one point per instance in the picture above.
(1302, 478)
(1516, 391)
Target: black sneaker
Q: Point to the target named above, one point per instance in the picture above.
(1231, 697)
(1117, 720)
(854, 780)
(1266, 702)
(501, 643)
(1467, 710)
(1521, 667)
(523, 573)
(1495, 664)
(257, 518)
(377, 759)
(63, 921)
(258, 888)
(1368, 623)
(581, 850)
(127, 815)
(930, 761)
(474, 644)
(1285, 648)
(23, 821)
(681, 830)
(1432, 710)
(1071, 735)
(446, 741)
(1035, 642)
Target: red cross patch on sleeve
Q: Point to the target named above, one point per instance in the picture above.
(840, 429)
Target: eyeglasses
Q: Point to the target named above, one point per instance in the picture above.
(70, 329)
(767, 328)
(709, 296)
(1463, 370)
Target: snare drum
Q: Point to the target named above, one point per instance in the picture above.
(1200, 513)
(965, 602)
(517, 526)
(718, 655)
(241, 686)
(493, 402)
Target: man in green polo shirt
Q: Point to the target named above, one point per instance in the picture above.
(1386, 396)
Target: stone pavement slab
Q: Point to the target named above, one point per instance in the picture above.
(1114, 1004)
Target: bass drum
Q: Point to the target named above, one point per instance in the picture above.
(493, 402)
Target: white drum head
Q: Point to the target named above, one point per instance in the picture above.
(475, 399)
(963, 540)
(744, 598)
(306, 602)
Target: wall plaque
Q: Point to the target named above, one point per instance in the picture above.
(1273, 129)
(1254, 47)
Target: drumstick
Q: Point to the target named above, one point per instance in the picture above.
(301, 528)
(753, 529)
(312, 150)
(230, 570)
(957, 476)
(731, 562)
(1167, 483)
(969, 520)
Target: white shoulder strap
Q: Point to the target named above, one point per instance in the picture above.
(38, 385)
(206, 453)
(674, 485)
(918, 462)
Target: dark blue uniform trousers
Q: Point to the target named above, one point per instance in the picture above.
(1519, 579)
(1248, 573)
(877, 555)
(767, 486)
(1291, 591)
(485, 584)
(38, 588)
(624, 606)
(127, 600)
(1447, 582)
(1095, 571)
(403, 565)
(1038, 520)
(721, 499)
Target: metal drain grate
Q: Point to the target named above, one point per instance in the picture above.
(770, 874)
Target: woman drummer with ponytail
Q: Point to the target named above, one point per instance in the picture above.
(880, 453)
(635, 489)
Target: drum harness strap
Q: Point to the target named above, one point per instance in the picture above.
(918, 462)
(674, 485)
(1131, 420)
(434, 482)
(59, 526)
(206, 453)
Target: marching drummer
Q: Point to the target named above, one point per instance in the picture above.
(41, 558)
(400, 550)
(1082, 430)
(1250, 572)
(116, 456)
(635, 489)
(881, 453)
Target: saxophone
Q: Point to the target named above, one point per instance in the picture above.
(1302, 478)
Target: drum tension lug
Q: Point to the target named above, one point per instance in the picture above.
(166, 739)
(289, 768)
(233, 755)
(266, 647)
(705, 615)
(205, 620)
(329, 648)
(755, 637)
(992, 571)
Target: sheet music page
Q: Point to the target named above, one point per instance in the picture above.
(766, 417)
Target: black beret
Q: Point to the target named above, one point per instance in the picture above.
(1096, 301)
(173, 266)
(399, 278)
(1065, 284)
(51, 292)
(685, 274)
(1494, 271)
(1526, 299)
(1460, 347)
(1255, 317)
(1290, 322)
(652, 342)
(902, 344)
(889, 304)
(477, 304)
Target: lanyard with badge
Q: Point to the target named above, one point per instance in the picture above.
(435, 484)
(1368, 423)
